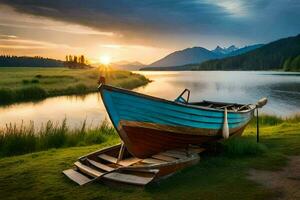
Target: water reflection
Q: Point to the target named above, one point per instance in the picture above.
(282, 89)
(75, 108)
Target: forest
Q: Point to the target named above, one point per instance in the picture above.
(26, 61)
(283, 54)
(37, 61)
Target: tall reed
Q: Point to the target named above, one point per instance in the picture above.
(16, 140)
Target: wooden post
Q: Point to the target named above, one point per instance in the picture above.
(121, 152)
(257, 126)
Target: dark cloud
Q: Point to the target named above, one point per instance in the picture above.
(255, 20)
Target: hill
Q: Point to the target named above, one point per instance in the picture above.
(25, 61)
(185, 56)
(272, 56)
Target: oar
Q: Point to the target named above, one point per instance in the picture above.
(258, 105)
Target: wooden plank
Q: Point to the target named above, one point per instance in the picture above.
(125, 162)
(129, 161)
(108, 158)
(183, 153)
(77, 177)
(100, 165)
(128, 178)
(164, 157)
(175, 155)
(87, 170)
(153, 161)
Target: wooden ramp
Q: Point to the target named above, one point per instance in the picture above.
(115, 164)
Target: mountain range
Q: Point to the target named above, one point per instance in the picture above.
(282, 54)
(223, 51)
(127, 65)
(197, 55)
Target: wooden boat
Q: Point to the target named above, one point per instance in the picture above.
(116, 165)
(149, 125)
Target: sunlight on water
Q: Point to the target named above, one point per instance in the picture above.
(282, 90)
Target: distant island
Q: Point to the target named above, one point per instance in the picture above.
(283, 54)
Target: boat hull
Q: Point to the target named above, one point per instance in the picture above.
(143, 139)
(149, 125)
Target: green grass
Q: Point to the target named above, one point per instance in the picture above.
(38, 175)
(245, 146)
(17, 140)
(271, 120)
(28, 84)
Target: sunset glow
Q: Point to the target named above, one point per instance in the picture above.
(34, 28)
(105, 59)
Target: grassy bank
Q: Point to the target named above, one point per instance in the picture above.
(17, 140)
(27, 84)
(223, 176)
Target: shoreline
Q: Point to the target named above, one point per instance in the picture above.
(22, 139)
(36, 84)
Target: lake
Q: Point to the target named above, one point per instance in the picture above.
(282, 90)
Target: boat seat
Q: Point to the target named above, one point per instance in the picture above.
(108, 158)
(174, 154)
(124, 162)
(153, 161)
(100, 165)
(87, 170)
(164, 157)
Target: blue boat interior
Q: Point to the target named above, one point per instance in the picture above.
(185, 95)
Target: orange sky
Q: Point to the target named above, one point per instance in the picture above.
(143, 30)
(39, 36)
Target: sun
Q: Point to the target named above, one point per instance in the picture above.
(105, 59)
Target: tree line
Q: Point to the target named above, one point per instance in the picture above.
(76, 62)
(292, 64)
(25, 61)
(73, 61)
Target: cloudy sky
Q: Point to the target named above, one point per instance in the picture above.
(143, 30)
